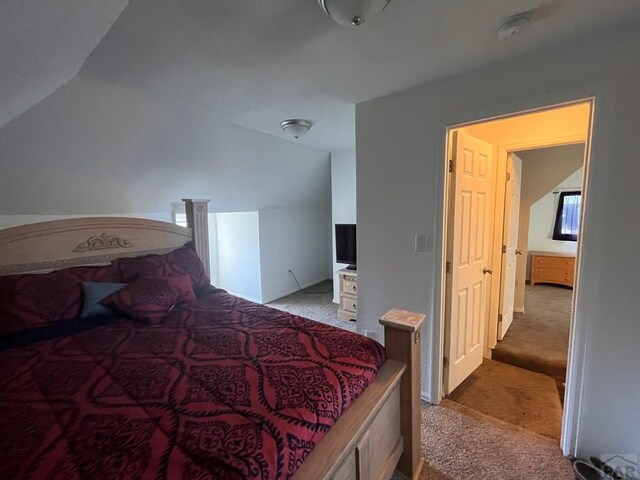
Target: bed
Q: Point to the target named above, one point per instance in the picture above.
(212, 387)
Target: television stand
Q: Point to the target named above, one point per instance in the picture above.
(348, 280)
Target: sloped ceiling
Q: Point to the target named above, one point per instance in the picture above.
(256, 63)
(43, 44)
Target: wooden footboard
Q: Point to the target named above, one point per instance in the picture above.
(380, 432)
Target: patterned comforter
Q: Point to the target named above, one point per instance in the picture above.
(222, 388)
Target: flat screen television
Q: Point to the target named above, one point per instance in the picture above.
(346, 244)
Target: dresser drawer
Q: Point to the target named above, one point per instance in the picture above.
(349, 304)
(563, 263)
(348, 294)
(349, 286)
(553, 275)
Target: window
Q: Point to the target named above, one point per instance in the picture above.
(568, 216)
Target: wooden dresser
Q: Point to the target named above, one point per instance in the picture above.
(550, 267)
(348, 294)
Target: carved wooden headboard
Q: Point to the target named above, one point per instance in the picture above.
(94, 240)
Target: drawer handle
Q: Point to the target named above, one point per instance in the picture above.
(354, 306)
(354, 288)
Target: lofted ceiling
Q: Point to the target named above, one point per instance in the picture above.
(44, 43)
(256, 63)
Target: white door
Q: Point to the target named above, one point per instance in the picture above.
(510, 244)
(467, 257)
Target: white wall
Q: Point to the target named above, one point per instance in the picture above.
(400, 142)
(256, 250)
(214, 268)
(543, 216)
(92, 148)
(343, 202)
(297, 240)
(7, 221)
(239, 254)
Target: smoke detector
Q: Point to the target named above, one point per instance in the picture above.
(514, 25)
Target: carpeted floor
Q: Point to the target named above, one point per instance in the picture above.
(514, 395)
(316, 306)
(461, 444)
(538, 339)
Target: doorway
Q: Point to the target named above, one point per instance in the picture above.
(488, 260)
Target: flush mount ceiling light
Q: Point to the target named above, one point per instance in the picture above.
(352, 13)
(296, 127)
(514, 25)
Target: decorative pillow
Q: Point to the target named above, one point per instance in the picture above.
(178, 262)
(150, 298)
(36, 299)
(93, 293)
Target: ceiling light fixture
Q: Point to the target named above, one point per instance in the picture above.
(352, 13)
(296, 127)
(514, 25)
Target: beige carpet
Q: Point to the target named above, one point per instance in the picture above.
(514, 395)
(538, 339)
(462, 444)
(316, 306)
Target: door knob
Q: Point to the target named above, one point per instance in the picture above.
(486, 270)
(518, 252)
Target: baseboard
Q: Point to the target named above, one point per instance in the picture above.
(294, 290)
(251, 299)
(518, 310)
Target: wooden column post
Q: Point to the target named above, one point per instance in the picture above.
(402, 343)
(198, 221)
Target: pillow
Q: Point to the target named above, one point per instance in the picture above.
(93, 293)
(150, 298)
(34, 300)
(101, 273)
(178, 262)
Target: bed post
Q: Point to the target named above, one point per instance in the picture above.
(402, 343)
(198, 221)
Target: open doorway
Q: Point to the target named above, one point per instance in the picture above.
(512, 227)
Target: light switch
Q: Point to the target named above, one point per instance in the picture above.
(421, 243)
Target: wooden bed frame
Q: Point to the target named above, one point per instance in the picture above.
(378, 434)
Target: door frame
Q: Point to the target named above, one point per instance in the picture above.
(500, 202)
(573, 395)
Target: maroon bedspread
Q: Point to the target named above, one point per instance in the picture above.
(221, 389)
